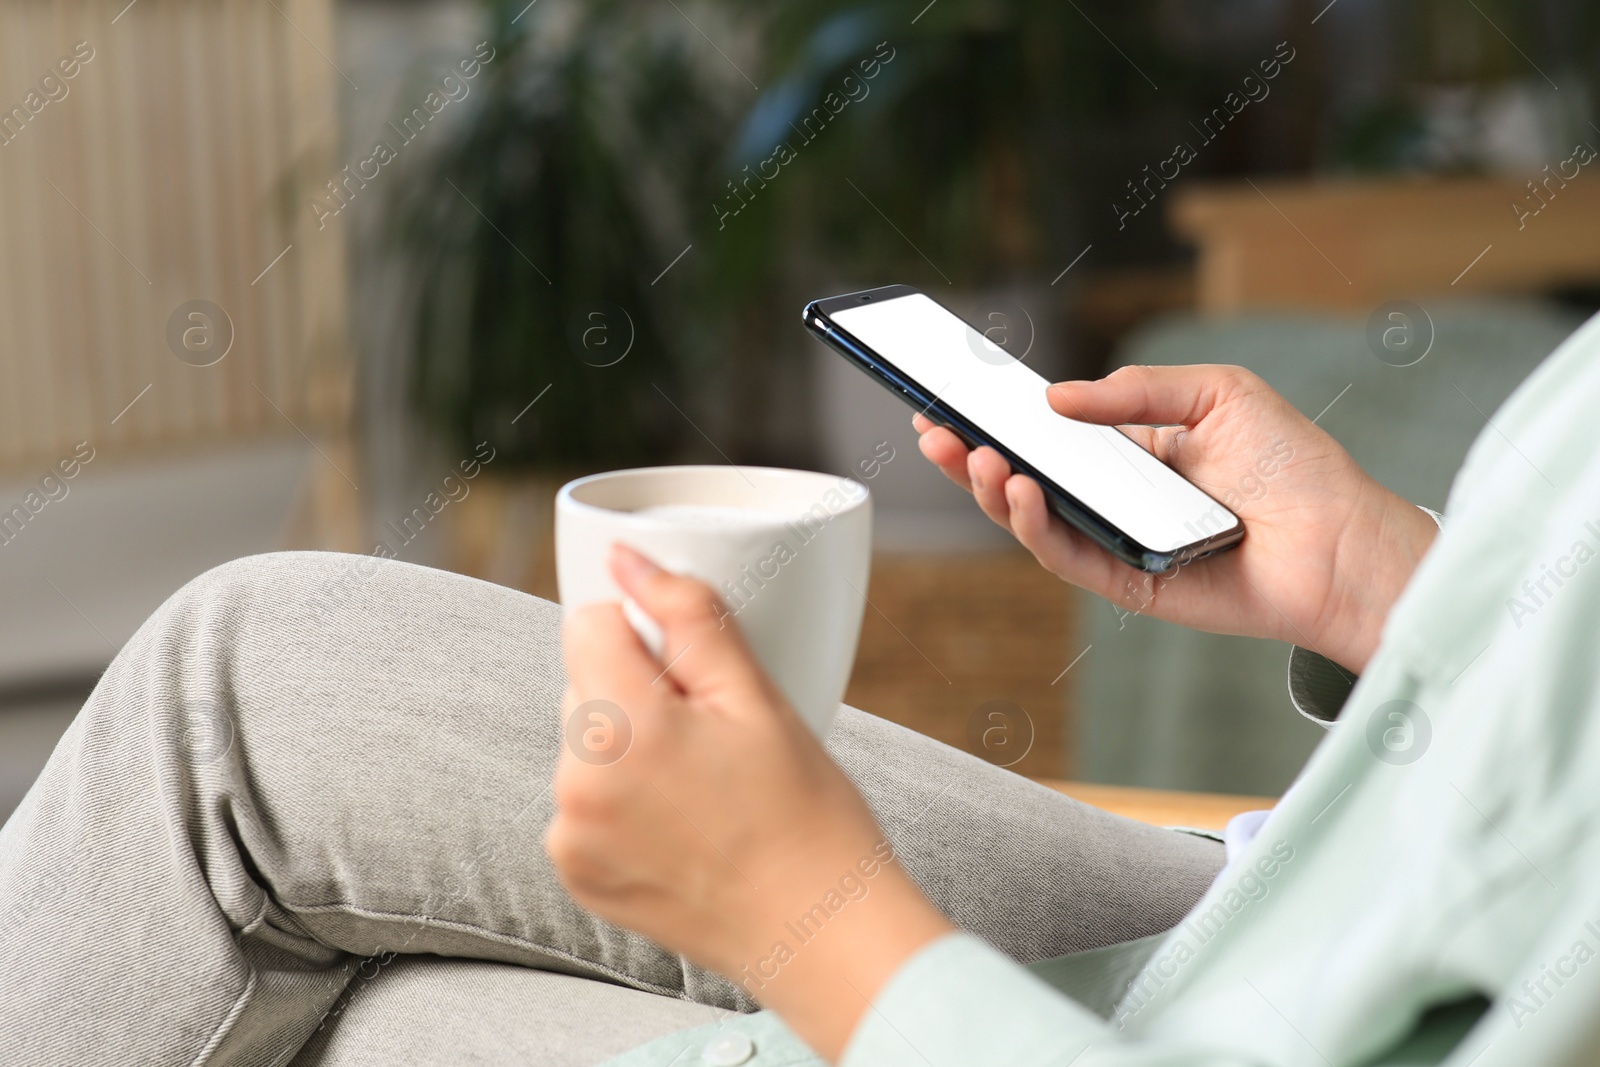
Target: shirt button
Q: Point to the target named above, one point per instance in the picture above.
(729, 1050)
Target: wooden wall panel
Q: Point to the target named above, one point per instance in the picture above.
(179, 165)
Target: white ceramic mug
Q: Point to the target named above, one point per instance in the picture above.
(788, 551)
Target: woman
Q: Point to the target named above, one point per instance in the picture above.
(300, 777)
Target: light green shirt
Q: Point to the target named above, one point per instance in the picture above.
(1438, 852)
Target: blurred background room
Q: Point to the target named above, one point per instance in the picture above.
(271, 270)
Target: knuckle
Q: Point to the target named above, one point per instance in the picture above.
(568, 789)
(577, 788)
(559, 843)
(1239, 379)
(582, 858)
(571, 860)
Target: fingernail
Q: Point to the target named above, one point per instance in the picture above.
(631, 565)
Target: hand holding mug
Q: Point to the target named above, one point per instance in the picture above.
(724, 819)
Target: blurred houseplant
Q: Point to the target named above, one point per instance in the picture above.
(606, 137)
(998, 143)
(1461, 94)
(966, 138)
(532, 237)
(959, 159)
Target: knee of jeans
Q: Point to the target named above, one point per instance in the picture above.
(308, 581)
(190, 647)
(203, 618)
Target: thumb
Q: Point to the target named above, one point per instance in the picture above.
(1153, 396)
(702, 649)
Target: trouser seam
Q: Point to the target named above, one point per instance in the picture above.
(228, 1023)
(620, 977)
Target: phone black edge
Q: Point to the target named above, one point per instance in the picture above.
(816, 318)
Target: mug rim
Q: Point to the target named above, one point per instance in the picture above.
(567, 498)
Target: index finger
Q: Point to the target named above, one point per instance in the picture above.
(605, 658)
(703, 648)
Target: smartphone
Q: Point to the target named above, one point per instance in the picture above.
(1096, 478)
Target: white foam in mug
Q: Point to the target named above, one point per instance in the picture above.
(788, 551)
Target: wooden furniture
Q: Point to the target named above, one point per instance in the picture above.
(1351, 245)
(177, 164)
(1162, 807)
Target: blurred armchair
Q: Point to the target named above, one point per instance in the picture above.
(1290, 276)
(1163, 706)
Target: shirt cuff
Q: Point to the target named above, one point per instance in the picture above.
(1318, 687)
(960, 1001)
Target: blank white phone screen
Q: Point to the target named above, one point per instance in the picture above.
(1102, 467)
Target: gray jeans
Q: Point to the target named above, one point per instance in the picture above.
(300, 819)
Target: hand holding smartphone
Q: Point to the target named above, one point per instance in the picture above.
(1094, 477)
